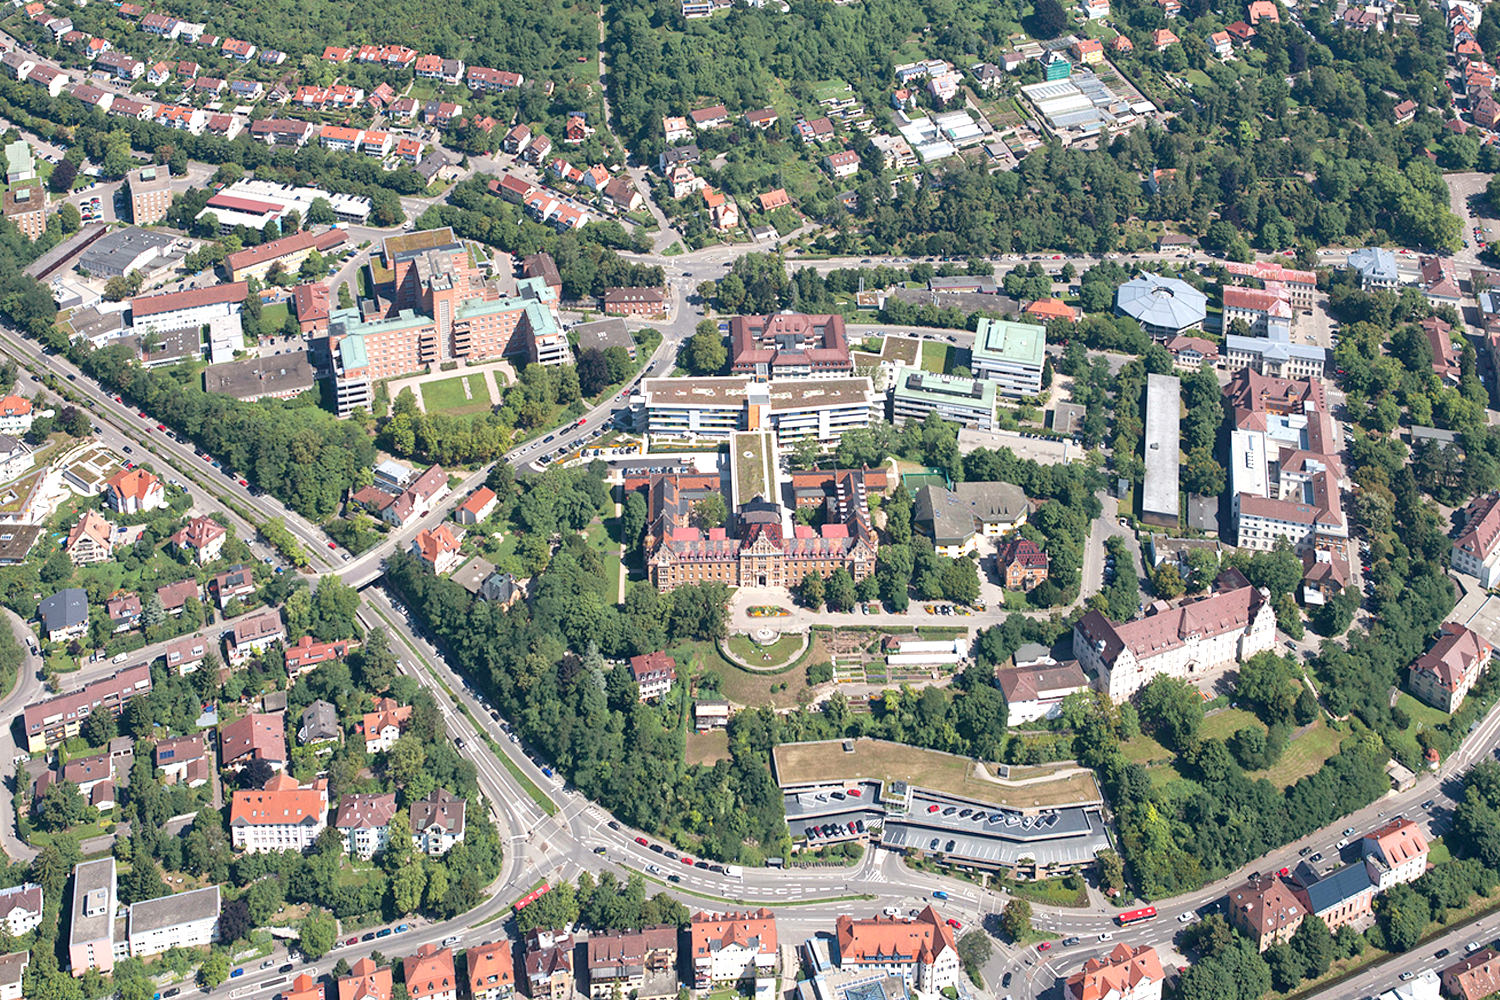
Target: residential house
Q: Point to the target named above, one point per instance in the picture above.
(254, 736)
(134, 491)
(1126, 973)
(21, 908)
(123, 611)
(730, 949)
(642, 302)
(204, 536)
(13, 973)
(64, 615)
(1221, 44)
(480, 505)
(254, 633)
(437, 549)
(187, 654)
(235, 583)
(842, 164)
(320, 724)
(437, 823)
(366, 982)
(1190, 353)
(492, 973)
(710, 118)
(1163, 39)
(635, 963)
(653, 673)
(364, 823)
(90, 540)
(1395, 853)
(1476, 550)
(1021, 565)
(382, 727)
(1443, 675)
(184, 760)
(956, 519)
(1266, 911)
(303, 656)
(174, 596)
(51, 722)
(1262, 10)
(1474, 977)
(430, 974)
(548, 960)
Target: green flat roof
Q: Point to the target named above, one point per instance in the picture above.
(944, 388)
(18, 158)
(1006, 340)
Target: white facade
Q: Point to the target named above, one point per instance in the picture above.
(22, 906)
(365, 842)
(183, 920)
(1184, 649)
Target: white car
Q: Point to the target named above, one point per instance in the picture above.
(1106, 936)
(1187, 917)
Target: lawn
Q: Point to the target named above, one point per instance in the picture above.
(742, 687)
(1225, 722)
(775, 655)
(1304, 755)
(447, 396)
(936, 356)
(274, 317)
(797, 763)
(706, 748)
(602, 535)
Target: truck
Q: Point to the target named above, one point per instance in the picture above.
(734, 871)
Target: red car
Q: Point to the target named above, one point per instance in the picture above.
(1284, 872)
(161, 427)
(932, 809)
(955, 924)
(686, 860)
(143, 416)
(353, 940)
(332, 546)
(208, 458)
(642, 841)
(1044, 946)
(244, 482)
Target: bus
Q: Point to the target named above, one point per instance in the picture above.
(1136, 916)
(531, 897)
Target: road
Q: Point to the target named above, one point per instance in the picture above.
(28, 689)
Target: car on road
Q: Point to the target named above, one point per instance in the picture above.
(939, 894)
(1428, 804)
(653, 869)
(1044, 946)
(686, 860)
(1408, 976)
(1068, 942)
(955, 924)
(1284, 872)
(1106, 936)
(1441, 953)
(285, 968)
(1316, 857)
(1005, 980)
(675, 879)
(353, 940)
(237, 973)
(368, 937)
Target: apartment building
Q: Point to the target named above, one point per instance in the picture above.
(253, 634)
(1476, 550)
(21, 908)
(150, 194)
(364, 823)
(965, 401)
(492, 973)
(654, 674)
(51, 722)
(96, 938)
(730, 949)
(26, 207)
(1300, 286)
(255, 736)
(636, 963)
(1443, 676)
(283, 816)
(437, 822)
(289, 252)
(429, 974)
(1011, 355)
(1265, 910)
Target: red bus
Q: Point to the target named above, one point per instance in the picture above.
(1136, 916)
(531, 897)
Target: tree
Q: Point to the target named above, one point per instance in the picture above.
(839, 593)
(234, 921)
(318, 931)
(1314, 945)
(69, 218)
(633, 519)
(1166, 580)
(974, 950)
(1048, 19)
(710, 511)
(1286, 965)
(1171, 708)
(1015, 920)
(811, 590)
(706, 354)
(1403, 915)
(215, 968)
